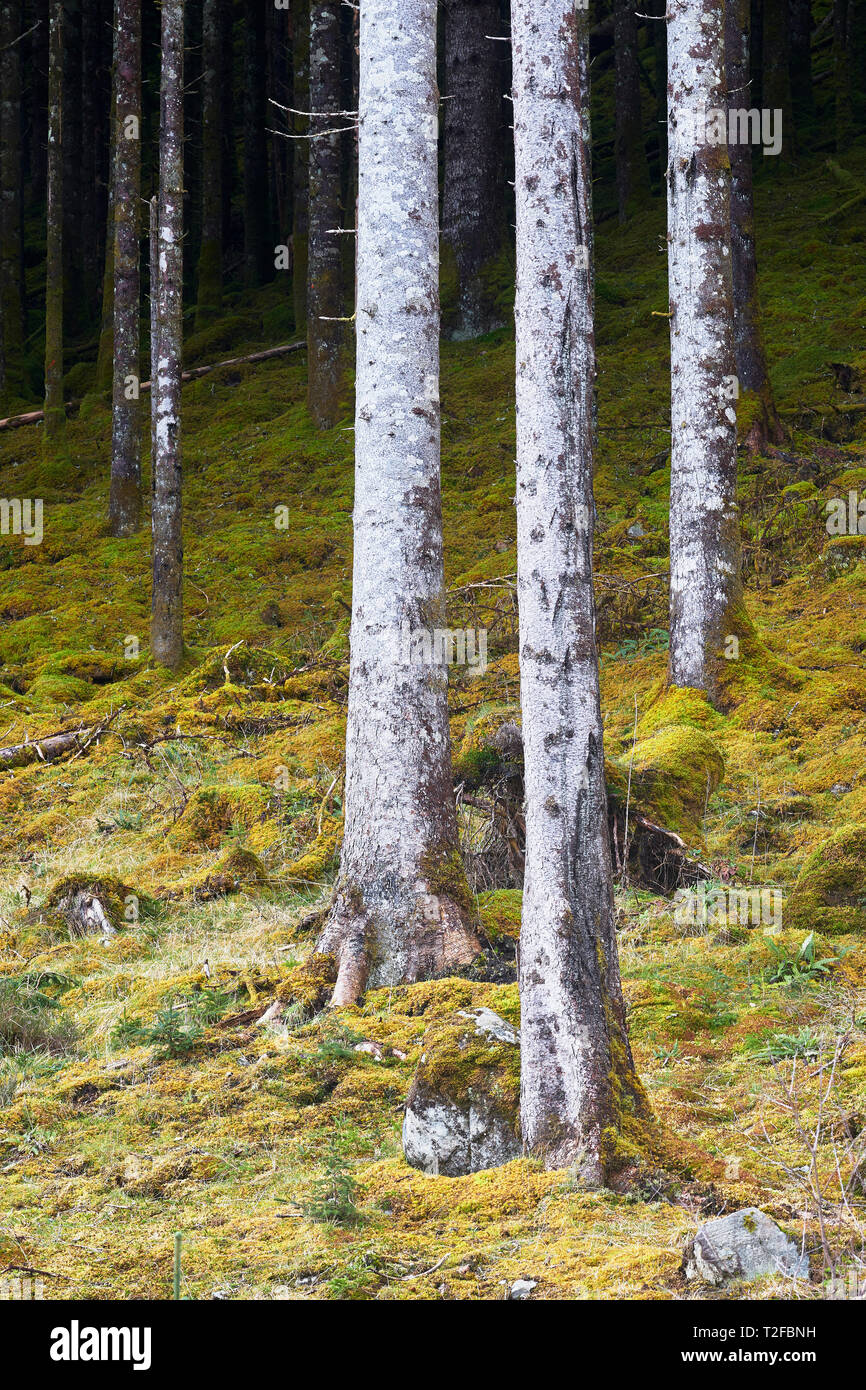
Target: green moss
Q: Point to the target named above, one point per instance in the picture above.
(212, 811)
(830, 892)
(674, 772)
(500, 914)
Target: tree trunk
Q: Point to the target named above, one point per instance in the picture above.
(125, 498)
(55, 412)
(75, 307)
(258, 252)
(577, 1074)
(751, 361)
(300, 18)
(210, 261)
(842, 75)
(632, 170)
(776, 84)
(227, 97)
(12, 329)
(402, 910)
(800, 14)
(92, 136)
(472, 213)
(325, 338)
(167, 598)
(153, 248)
(704, 525)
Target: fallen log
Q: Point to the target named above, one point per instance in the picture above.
(53, 746)
(32, 417)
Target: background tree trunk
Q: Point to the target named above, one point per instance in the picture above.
(258, 252)
(210, 261)
(632, 170)
(167, 597)
(704, 527)
(776, 84)
(125, 498)
(800, 15)
(325, 340)
(300, 18)
(12, 317)
(750, 357)
(55, 412)
(472, 211)
(402, 910)
(575, 1058)
(842, 75)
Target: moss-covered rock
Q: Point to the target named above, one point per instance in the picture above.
(830, 893)
(462, 1111)
(212, 811)
(674, 772)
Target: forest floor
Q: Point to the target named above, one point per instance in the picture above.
(139, 1093)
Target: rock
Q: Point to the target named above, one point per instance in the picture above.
(743, 1245)
(462, 1110)
(636, 531)
(830, 893)
(521, 1289)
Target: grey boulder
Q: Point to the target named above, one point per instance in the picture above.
(745, 1244)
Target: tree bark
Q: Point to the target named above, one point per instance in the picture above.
(402, 909)
(842, 75)
(750, 357)
(300, 19)
(800, 15)
(258, 253)
(55, 411)
(472, 212)
(125, 495)
(210, 261)
(577, 1072)
(325, 337)
(167, 597)
(776, 83)
(704, 525)
(12, 318)
(632, 170)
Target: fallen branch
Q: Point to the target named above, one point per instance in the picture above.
(32, 417)
(55, 745)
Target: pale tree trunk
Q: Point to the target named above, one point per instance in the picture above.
(706, 589)
(210, 260)
(11, 278)
(751, 360)
(402, 910)
(55, 412)
(153, 248)
(577, 1075)
(472, 213)
(125, 498)
(632, 170)
(325, 335)
(167, 598)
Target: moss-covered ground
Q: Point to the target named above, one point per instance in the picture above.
(139, 1092)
